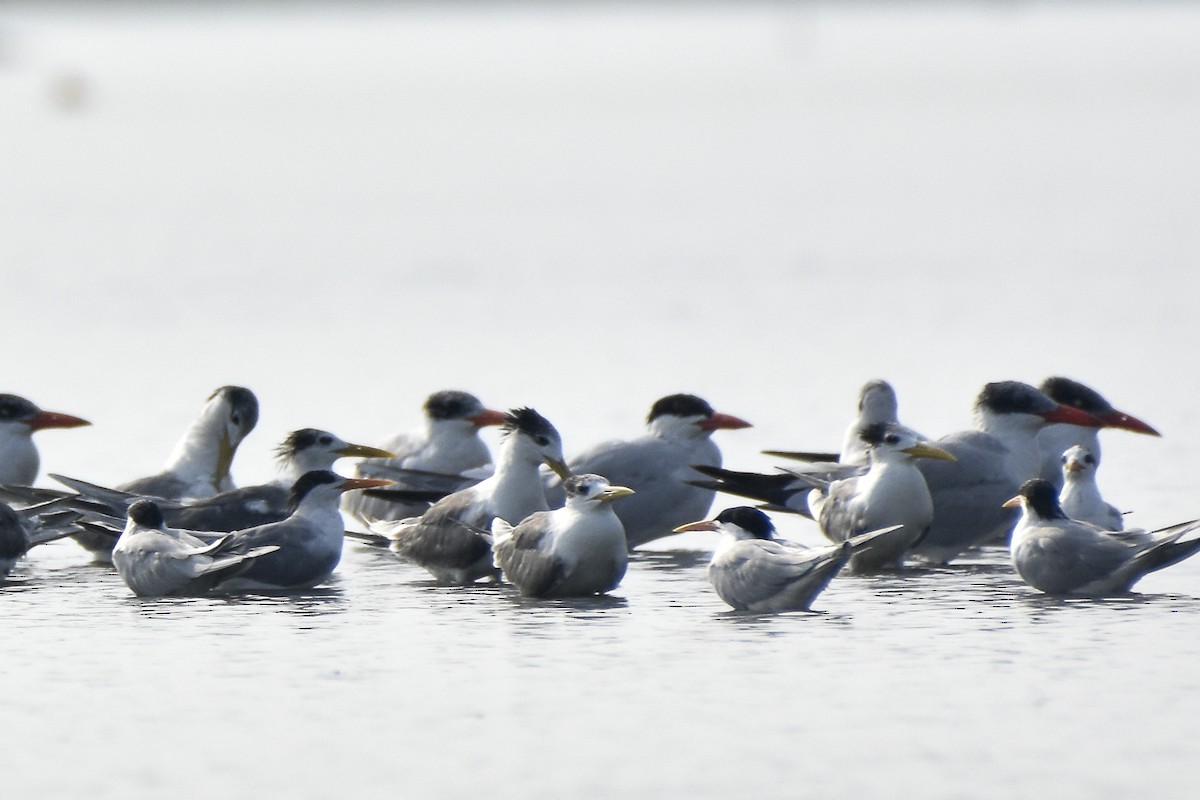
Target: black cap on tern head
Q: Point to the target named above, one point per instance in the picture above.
(452, 404)
(14, 407)
(751, 520)
(309, 481)
(146, 513)
(530, 423)
(680, 405)
(1042, 497)
(243, 405)
(1014, 397)
(1073, 393)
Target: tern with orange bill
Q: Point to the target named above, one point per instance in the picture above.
(659, 464)
(19, 420)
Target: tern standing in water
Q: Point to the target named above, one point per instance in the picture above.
(573, 551)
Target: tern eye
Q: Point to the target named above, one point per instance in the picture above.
(892, 438)
(542, 441)
(326, 440)
(1089, 460)
(236, 419)
(1064, 459)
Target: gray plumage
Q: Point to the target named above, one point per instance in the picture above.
(1059, 555)
(891, 492)
(155, 561)
(199, 465)
(573, 551)
(452, 540)
(658, 466)
(447, 442)
(1080, 496)
(991, 461)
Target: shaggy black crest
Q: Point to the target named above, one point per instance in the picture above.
(309, 481)
(750, 520)
(13, 407)
(147, 514)
(530, 423)
(680, 405)
(452, 405)
(1073, 393)
(1014, 397)
(301, 440)
(243, 405)
(1042, 497)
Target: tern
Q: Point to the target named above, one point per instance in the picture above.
(199, 465)
(309, 541)
(448, 442)
(1080, 496)
(19, 419)
(891, 492)
(658, 466)
(1058, 555)
(876, 404)
(154, 560)
(452, 540)
(751, 570)
(991, 462)
(29, 527)
(573, 551)
(304, 450)
(1054, 440)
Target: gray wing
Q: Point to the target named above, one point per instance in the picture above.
(842, 511)
(656, 471)
(233, 510)
(968, 495)
(1063, 560)
(447, 535)
(525, 562)
(761, 575)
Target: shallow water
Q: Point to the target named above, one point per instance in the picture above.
(583, 209)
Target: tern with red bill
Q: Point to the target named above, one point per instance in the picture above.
(990, 464)
(1057, 439)
(1059, 555)
(447, 442)
(658, 466)
(19, 419)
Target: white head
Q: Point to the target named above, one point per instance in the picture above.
(588, 491)
(1078, 464)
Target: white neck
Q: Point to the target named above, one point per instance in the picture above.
(1018, 433)
(516, 487)
(18, 455)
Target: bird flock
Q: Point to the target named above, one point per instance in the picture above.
(1023, 477)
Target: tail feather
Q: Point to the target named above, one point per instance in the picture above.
(778, 490)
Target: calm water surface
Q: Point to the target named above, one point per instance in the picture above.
(581, 210)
